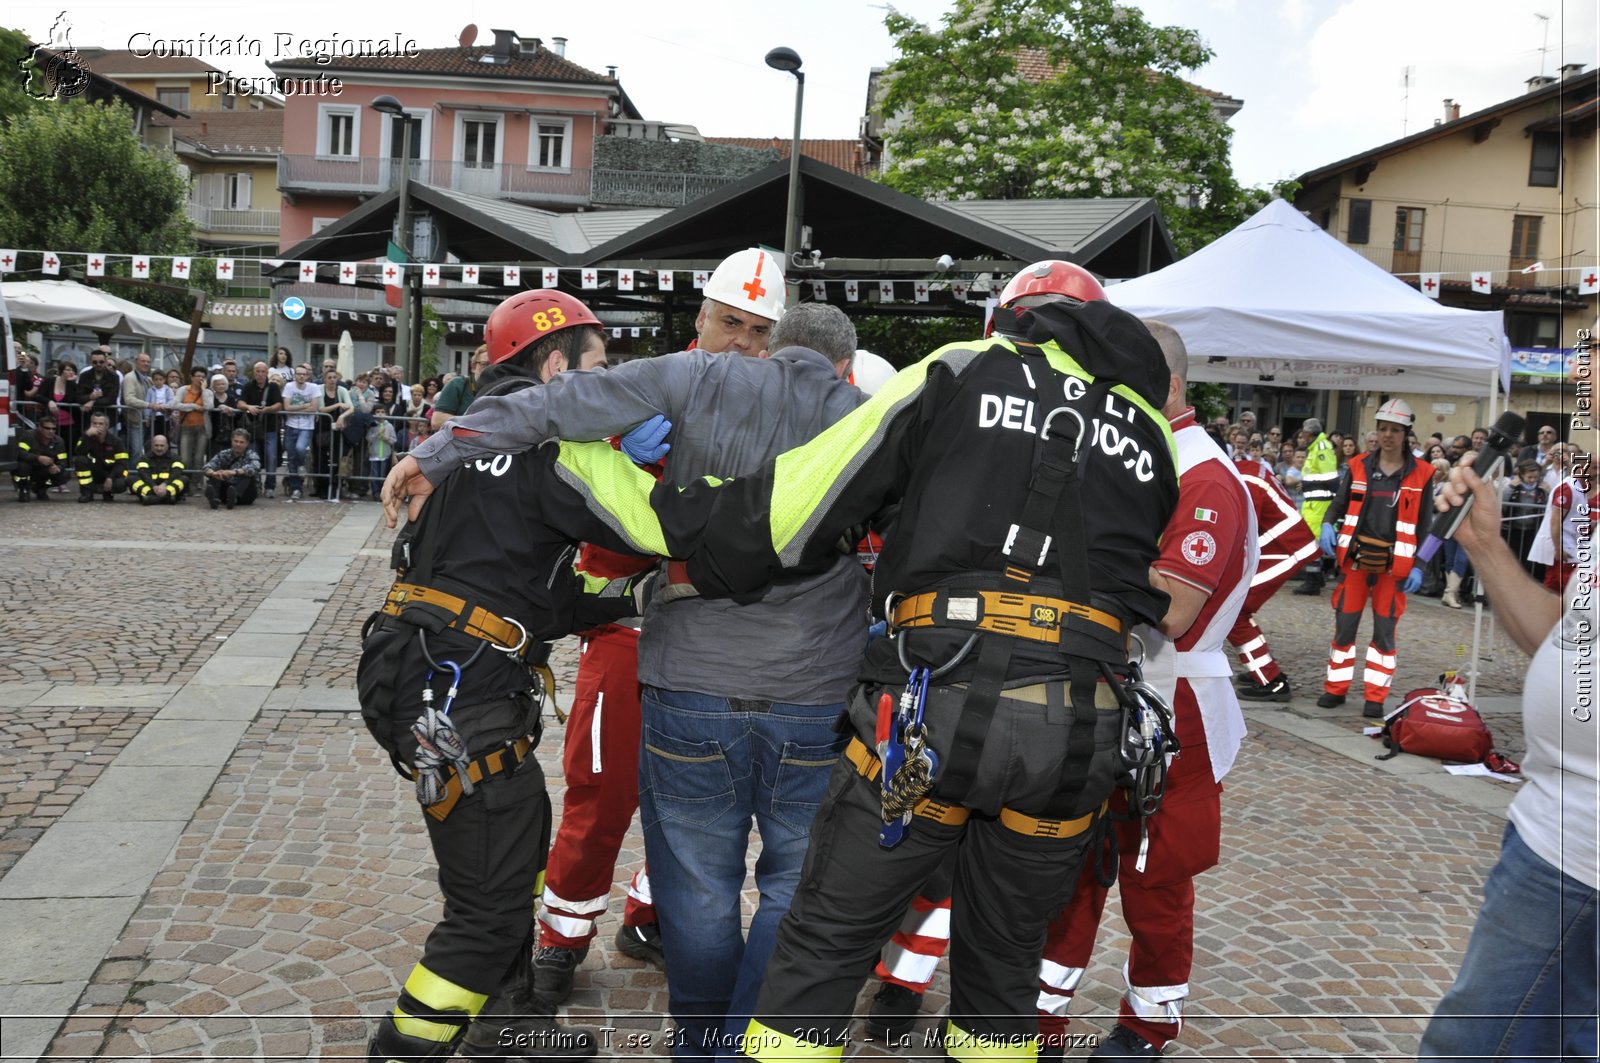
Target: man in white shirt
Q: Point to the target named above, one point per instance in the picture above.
(301, 400)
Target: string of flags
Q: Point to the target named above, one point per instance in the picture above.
(438, 275)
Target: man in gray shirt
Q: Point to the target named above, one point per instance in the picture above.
(739, 700)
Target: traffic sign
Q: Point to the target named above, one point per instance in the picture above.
(294, 308)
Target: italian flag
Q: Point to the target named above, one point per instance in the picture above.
(1208, 516)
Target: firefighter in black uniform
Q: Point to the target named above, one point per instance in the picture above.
(158, 478)
(450, 683)
(41, 461)
(101, 460)
(1034, 473)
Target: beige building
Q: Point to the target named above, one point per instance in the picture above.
(1461, 209)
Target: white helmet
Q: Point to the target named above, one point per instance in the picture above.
(750, 280)
(870, 372)
(1397, 411)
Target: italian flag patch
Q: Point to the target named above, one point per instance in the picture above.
(1208, 516)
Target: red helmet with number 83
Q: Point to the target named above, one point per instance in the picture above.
(529, 317)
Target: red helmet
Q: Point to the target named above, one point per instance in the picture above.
(528, 317)
(1053, 277)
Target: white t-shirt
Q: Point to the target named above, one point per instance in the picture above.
(1558, 807)
(302, 397)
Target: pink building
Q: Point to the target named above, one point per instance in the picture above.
(513, 120)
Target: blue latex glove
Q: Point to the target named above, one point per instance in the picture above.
(1413, 581)
(1327, 537)
(646, 443)
(877, 631)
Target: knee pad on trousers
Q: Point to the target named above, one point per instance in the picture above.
(389, 1045)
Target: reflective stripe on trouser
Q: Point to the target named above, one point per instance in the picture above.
(1157, 905)
(1349, 602)
(913, 954)
(600, 763)
(490, 855)
(853, 892)
(1254, 653)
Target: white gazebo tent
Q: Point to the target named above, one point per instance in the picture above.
(71, 303)
(1279, 301)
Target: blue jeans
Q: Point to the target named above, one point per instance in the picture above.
(1455, 558)
(1528, 982)
(708, 766)
(297, 445)
(266, 445)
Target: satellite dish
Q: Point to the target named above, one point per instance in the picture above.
(469, 35)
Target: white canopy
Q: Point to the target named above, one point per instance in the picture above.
(71, 303)
(1279, 301)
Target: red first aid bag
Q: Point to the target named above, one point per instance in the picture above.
(1432, 723)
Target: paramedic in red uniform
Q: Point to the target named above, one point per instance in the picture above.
(1286, 544)
(1208, 555)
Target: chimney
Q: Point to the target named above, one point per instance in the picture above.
(1540, 81)
(505, 42)
(531, 45)
(611, 72)
(1571, 70)
(1452, 110)
(560, 46)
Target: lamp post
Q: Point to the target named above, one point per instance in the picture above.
(407, 340)
(789, 60)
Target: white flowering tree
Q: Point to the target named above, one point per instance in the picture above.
(1058, 99)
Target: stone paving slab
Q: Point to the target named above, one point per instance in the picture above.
(144, 794)
(165, 743)
(92, 860)
(16, 695)
(32, 1014)
(119, 696)
(58, 939)
(258, 645)
(241, 670)
(195, 702)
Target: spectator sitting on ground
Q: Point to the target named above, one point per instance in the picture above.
(101, 460)
(233, 475)
(158, 478)
(41, 461)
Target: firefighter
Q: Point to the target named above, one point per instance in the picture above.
(451, 681)
(1033, 485)
(158, 478)
(1319, 479)
(1286, 544)
(41, 461)
(101, 460)
(1378, 517)
(1208, 556)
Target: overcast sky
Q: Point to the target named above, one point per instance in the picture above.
(1320, 79)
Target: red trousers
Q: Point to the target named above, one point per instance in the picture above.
(1349, 602)
(1184, 839)
(600, 762)
(1254, 653)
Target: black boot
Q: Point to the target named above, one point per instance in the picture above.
(514, 1025)
(389, 1045)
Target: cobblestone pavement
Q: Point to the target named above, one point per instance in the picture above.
(297, 897)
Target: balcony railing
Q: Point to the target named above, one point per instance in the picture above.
(513, 181)
(1457, 265)
(228, 220)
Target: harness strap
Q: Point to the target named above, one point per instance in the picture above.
(450, 611)
(1038, 617)
(868, 766)
(503, 761)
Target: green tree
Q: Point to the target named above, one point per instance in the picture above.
(14, 100)
(75, 178)
(1097, 109)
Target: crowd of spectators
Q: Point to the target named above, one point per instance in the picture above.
(1539, 469)
(334, 440)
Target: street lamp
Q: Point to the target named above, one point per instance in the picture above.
(788, 59)
(407, 340)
